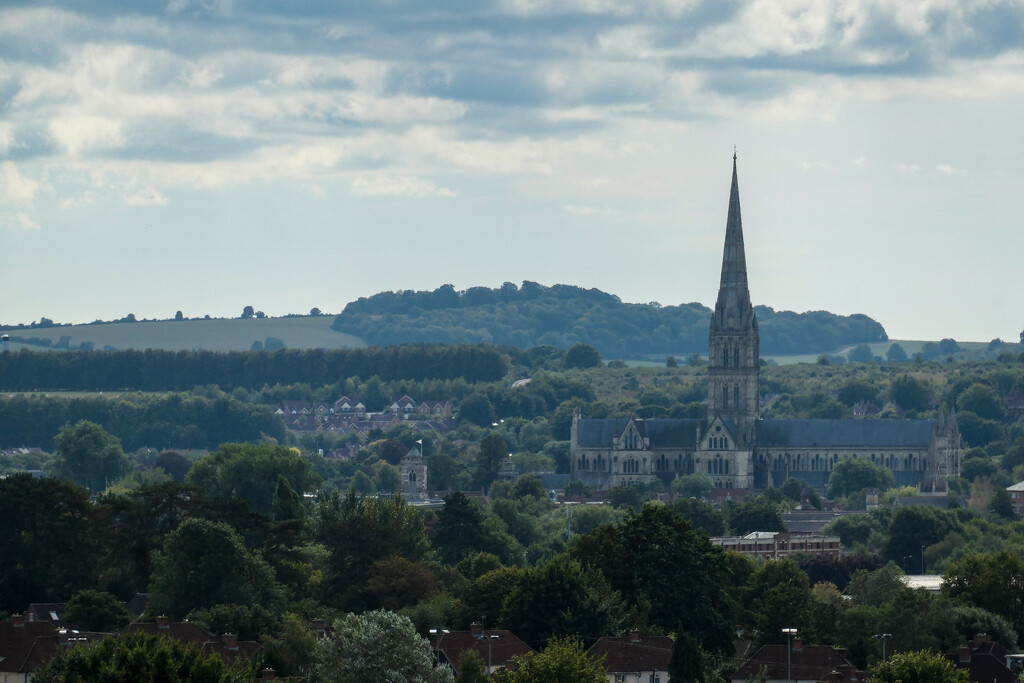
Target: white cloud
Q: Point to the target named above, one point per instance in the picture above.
(146, 196)
(393, 186)
(946, 169)
(15, 187)
(78, 134)
(17, 222)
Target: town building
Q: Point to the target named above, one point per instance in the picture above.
(633, 659)
(496, 648)
(798, 663)
(734, 446)
(771, 545)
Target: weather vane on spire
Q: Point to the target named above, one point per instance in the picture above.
(734, 152)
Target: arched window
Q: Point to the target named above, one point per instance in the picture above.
(736, 356)
(412, 476)
(736, 395)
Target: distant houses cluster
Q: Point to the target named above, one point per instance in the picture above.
(350, 416)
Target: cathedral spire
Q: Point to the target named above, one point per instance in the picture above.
(733, 287)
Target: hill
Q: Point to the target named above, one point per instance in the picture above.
(564, 315)
(215, 334)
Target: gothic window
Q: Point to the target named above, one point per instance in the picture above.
(412, 476)
(736, 395)
(736, 356)
(709, 467)
(725, 396)
(727, 467)
(725, 443)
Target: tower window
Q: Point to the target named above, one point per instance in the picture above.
(736, 355)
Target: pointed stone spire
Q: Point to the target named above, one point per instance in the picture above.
(733, 309)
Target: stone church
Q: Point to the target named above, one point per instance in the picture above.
(734, 447)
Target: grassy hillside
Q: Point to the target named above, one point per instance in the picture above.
(233, 334)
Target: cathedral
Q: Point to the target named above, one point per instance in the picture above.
(734, 447)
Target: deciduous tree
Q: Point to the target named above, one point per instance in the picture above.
(564, 660)
(90, 457)
(917, 667)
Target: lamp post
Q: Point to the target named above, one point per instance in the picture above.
(882, 637)
(905, 558)
(790, 632)
(922, 560)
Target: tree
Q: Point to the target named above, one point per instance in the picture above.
(562, 596)
(564, 660)
(315, 312)
(241, 470)
(174, 464)
(139, 656)
(203, 564)
(778, 596)
(696, 485)
(287, 503)
(49, 534)
(861, 353)
(982, 400)
(582, 356)
(855, 391)
(992, 582)
(248, 312)
(472, 668)
(1001, 505)
(687, 662)
(701, 515)
(178, 315)
(913, 527)
(376, 646)
(853, 474)
(493, 452)
(477, 409)
(89, 456)
(757, 513)
(92, 610)
(896, 354)
(909, 393)
(917, 667)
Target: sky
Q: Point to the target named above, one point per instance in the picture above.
(205, 156)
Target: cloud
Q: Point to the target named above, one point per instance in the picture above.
(15, 187)
(391, 186)
(946, 169)
(17, 222)
(146, 196)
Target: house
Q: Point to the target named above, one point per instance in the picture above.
(984, 660)
(495, 647)
(632, 659)
(1017, 497)
(294, 408)
(403, 406)
(349, 405)
(435, 408)
(187, 633)
(27, 646)
(801, 664)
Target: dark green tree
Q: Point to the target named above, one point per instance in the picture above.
(88, 456)
(695, 485)
(472, 668)
(132, 657)
(853, 474)
(701, 515)
(464, 528)
(1002, 506)
(855, 391)
(687, 662)
(50, 538)
(91, 610)
(287, 502)
(992, 582)
(562, 596)
(203, 564)
(910, 393)
(778, 596)
(477, 409)
(493, 452)
(582, 356)
(914, 527)
(240, 470)
(896, 354)
(757, 513)
(982, 400)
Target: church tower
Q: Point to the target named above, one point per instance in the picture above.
(733, 347)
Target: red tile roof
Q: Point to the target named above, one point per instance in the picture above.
(450, 646)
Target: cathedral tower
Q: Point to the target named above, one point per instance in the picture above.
(733, 347)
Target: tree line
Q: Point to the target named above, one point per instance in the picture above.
(158, 370)
(563, 315)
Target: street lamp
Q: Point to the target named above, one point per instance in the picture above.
(790, 632)
(882, 637)
(905, 558)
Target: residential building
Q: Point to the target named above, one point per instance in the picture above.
(771, 545)
(799, 663)
(495, 647)
(634, 659)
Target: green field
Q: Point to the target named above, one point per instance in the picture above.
(234, 334)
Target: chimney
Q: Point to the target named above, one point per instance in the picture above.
(18, 619)
(634, 636)
(269, 674)
(798, 643)
(161, 621)
(477, 629)
(230, 640)
(980, 638)
(965, 654)
(320, 626)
